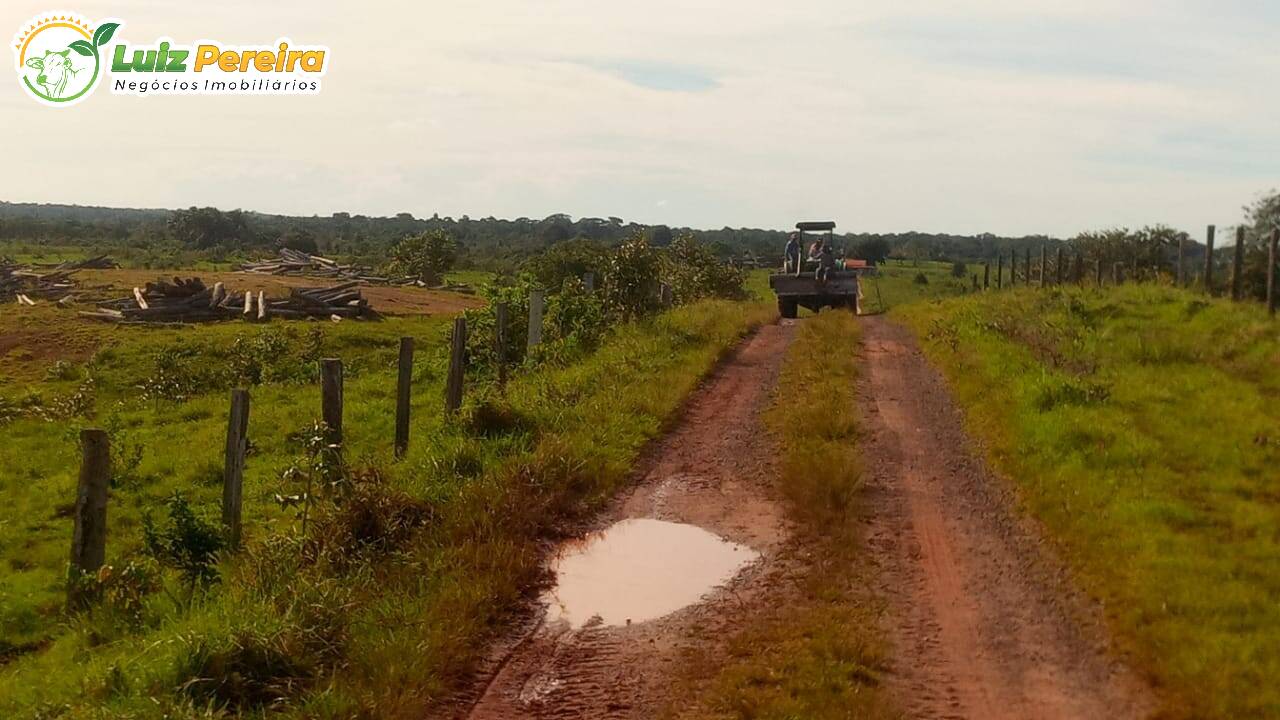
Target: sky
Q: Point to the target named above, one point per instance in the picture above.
(1006, 116)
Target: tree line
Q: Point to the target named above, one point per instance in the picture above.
(504, 245)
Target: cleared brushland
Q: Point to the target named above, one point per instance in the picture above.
(1142, 428)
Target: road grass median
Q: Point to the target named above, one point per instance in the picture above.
(818, 655)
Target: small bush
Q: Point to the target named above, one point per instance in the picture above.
(959, 269)
(427, 256)
(920, 279)
(371, 519)
(185, 543)
(631, 283)
(694, 272)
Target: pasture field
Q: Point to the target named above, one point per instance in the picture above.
(1141, 425)
(460, 517)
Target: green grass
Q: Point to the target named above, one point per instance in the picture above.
(386, 602)
(1142, 426)
(819, 655)
(180, 442)
(899, 285)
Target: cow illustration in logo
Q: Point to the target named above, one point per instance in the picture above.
(56, 70)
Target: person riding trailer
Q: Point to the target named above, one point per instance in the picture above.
(826, 263)
(791, 256)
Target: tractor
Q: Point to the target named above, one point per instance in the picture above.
(799, 286)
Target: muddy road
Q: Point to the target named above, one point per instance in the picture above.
(692, 548)
(982, 621)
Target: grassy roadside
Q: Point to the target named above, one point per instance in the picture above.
(383, 605)
(820, 655)
(1142, 427)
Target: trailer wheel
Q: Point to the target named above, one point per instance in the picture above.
(787, 308)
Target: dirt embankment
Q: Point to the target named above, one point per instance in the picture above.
(984, 622)
(712, 471)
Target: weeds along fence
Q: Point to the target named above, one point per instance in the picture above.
(1072, 267)
(89, 534)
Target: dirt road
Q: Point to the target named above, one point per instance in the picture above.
(712, 471)
(983, 624)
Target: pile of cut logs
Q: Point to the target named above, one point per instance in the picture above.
(295, 262)
(189, 300)
(24, 285)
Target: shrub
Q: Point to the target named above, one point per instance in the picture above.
(694, 272)
(959, 269)
(631, 283)
(482, 324)
(576, 318)
(427, 256)
(567, 260)
(920, 279)
(186, 543)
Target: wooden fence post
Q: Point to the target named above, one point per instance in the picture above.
(1057, 268)
(500, 341)
(457, 363)
(233, 465)
(1044, 254)
(1026, 277)
(1182, 251)
(1208, 261)
(975, 282)
(89, 537)
(986, 276)
(404, 389)
(331, 397)
(537, 301)
(589, 280)
(1237, 265)
(1098, 271)
(1000, 272)
(1271, 272)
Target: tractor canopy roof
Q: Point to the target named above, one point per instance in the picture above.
(815, 226)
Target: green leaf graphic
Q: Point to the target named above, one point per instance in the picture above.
(103, 34)
(82, 47)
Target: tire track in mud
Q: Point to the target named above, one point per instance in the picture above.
(984, 622)
(713, 470)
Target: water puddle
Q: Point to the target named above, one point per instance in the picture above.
(640, 569)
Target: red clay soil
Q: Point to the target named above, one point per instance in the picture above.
(713, 470)
(984, 623)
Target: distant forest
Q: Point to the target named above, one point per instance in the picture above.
(485, 243)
